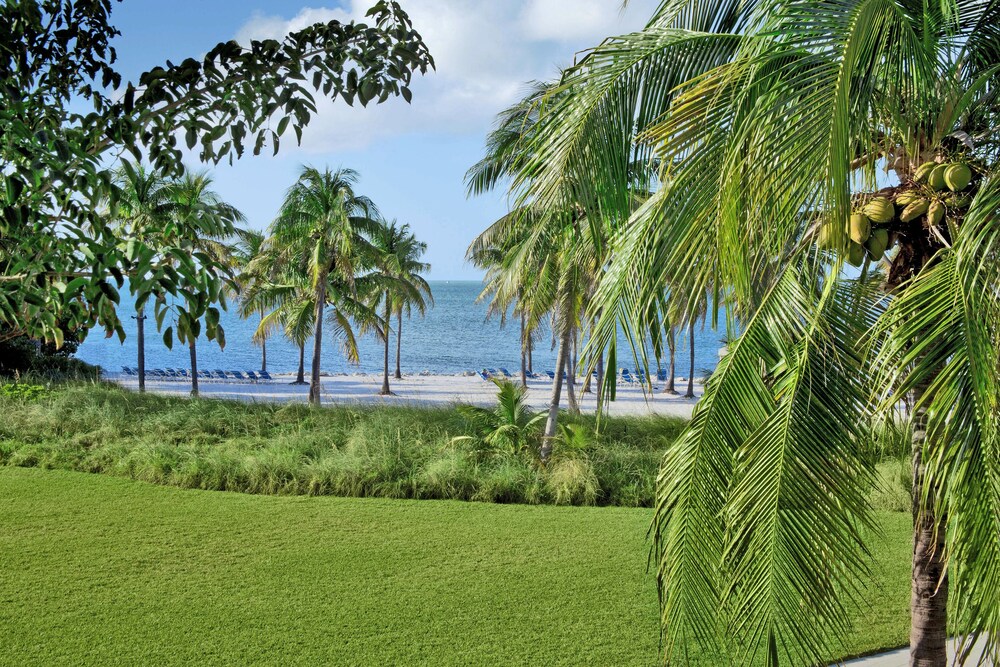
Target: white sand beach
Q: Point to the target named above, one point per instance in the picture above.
(430, 390)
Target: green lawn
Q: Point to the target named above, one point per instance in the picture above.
(97, 569)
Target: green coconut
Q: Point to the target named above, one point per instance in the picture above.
(880, 210)
(855, 254)
(861, 227)
(957, 177)
(936, 178)
(923, 171)
(877, 243)
(904, 199)
(935, 214)
(914, 210)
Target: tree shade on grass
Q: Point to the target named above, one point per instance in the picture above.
(95, 569)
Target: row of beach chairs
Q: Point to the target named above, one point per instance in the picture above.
(182, 374)
(625, 376)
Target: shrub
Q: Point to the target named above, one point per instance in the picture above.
(509, 427)
(19, 391)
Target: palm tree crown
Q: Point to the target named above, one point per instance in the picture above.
(769, 123)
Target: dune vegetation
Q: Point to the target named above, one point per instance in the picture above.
(389, 452)
(360, 451)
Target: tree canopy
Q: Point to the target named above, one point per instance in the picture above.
(66, 117)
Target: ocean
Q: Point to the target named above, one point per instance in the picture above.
(455, 336)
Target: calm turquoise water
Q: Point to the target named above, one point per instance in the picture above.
(455, 336)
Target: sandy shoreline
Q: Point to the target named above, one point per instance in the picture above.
(430, 390)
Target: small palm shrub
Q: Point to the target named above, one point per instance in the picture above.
(507, 428)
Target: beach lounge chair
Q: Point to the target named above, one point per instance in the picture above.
(253, 376)
(205, 375)
(264, 375)
(483, 374)
(127, 372)
(552, 376)
(661, 375)
(240, 376)
(183, 373)
(220, 374)
(505, 372)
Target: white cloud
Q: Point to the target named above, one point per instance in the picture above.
(485, 52)
(572, 20)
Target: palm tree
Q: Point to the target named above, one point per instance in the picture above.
(197, 207)
(143, 207)
(537, 259)
(535, 255)
(397, 257)
(321, 224)
(507, 428)
(289, 306)
(249, 257)
(769, 123)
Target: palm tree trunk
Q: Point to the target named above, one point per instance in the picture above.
(531, 345)
(690, 391)
(399, 342)
(301, 377)
(140, 337)
(314, 397)
(672, 345)
(524, 360)
(193, 350)
(562, 360)
(385, 366)
(263, 349)
(574, 407)
(572, 364)
(929, 584)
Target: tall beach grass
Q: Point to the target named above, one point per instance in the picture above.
(391, 452)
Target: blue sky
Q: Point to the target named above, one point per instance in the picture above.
(411, 158)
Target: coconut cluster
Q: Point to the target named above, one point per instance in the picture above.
(937, 191)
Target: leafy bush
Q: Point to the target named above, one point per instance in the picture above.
(24, 357)
(21, 391)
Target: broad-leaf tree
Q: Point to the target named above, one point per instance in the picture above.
(66, 114)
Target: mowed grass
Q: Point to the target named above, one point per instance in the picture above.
(99, 570)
